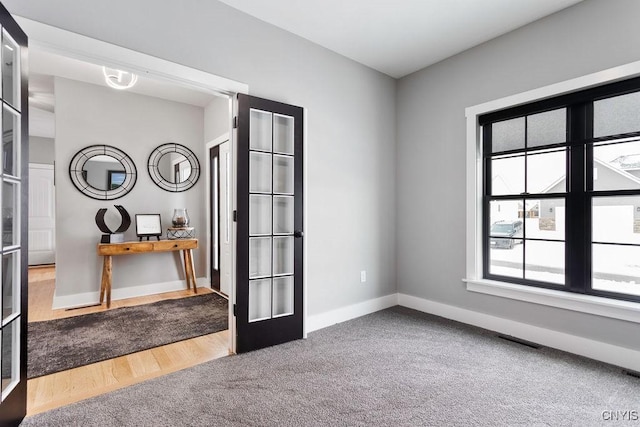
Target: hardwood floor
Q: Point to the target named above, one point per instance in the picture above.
(62, 388)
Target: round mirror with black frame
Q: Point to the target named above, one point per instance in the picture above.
(173, 167)
(103, 172)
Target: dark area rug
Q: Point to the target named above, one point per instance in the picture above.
(57, 345)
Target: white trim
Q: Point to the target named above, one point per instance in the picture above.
(597, 350)
(208, 146)
(89, 298)
(66, 43)
(339, 315)
(40, 166)
(607, 307)
(305, 222)
(474, 272)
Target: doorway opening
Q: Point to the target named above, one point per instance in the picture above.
(66, 303)
(220, 214)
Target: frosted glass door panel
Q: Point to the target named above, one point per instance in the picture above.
(282, 296)
(10, 285)
(283, 215)
(259, 215)
(10, 139)
(282, 255)
(283, 177)
(10, 356)
(260, 133)
(259, 300)
(10, 214)
(259, 173)
(283, 134)
(259, 257)
(10, 71)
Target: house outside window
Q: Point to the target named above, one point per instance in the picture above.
(561, 192)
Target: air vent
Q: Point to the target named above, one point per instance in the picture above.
(633, 374)
(519, 341)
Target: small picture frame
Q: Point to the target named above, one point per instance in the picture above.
(148, 225)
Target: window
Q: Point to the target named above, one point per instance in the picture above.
(561, 192)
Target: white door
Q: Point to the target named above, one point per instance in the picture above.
(42, 232)
(225, 218)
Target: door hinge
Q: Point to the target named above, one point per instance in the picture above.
(235, 122)
(235, 216)
(235, 310)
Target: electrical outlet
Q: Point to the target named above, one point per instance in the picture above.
(363, 276)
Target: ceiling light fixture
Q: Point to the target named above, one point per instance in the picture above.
(119, 79)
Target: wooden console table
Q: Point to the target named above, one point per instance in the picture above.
(107, 250)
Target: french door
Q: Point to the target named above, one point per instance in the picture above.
(14, 158)
(269, 275)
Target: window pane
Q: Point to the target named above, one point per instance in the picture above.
(545, 219)
(505, 216)
(547, 172)
(616, 166)
(283, 296)
(616, 268)
(547, 128)
(259, 215)
(283, 134)
(259, 257)
(10, 71)
(616, 219)
(260, 172)
(507, 175)
(616, 115)
(259, 300)
(10, 284)
(10, 141)
(260, 130)
(544, 261)
(10, 356)
(507, 135)
(10, 230)
(506, 260)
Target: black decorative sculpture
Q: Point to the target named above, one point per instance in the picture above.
(113, 236)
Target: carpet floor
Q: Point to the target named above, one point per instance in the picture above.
(396, 367)
(57, 345)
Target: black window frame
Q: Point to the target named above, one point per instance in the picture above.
(579, 182)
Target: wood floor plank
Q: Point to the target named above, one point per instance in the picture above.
(66, 387)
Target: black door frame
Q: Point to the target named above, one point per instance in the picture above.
(214, 218)
(287, 328)
(14, 408)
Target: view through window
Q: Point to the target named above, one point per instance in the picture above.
(562, 192)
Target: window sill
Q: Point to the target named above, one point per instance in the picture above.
(615, 309)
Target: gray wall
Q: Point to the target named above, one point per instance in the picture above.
(217, 118)
(86, 115)
(350, 109)
(589, 37)
(41, 150)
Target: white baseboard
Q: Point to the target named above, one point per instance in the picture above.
(608, 353)
(339, 315)
(90, 298)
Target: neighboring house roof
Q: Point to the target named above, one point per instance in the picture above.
(631, 161)
(620, 172)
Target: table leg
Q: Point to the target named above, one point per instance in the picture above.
(187, 276)
(192, 268)
(105, 286)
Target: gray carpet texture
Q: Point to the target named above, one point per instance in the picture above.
(396, 367)
(57, 345)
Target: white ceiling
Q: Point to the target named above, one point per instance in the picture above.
(398, 37)
(43, 66)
